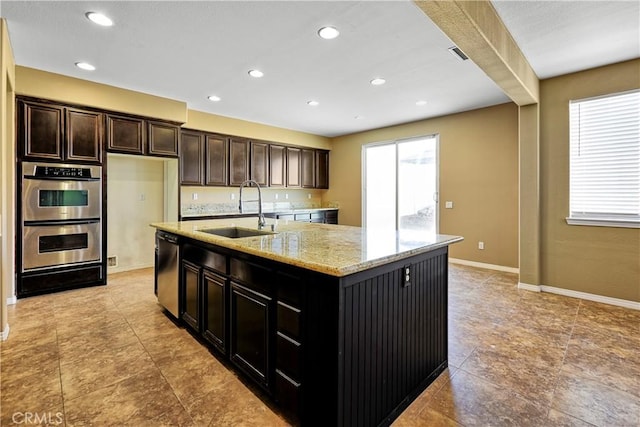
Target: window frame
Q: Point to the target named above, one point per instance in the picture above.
(594, 219)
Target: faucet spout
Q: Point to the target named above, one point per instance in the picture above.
(249, 182)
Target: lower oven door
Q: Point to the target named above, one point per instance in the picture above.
(60, 244)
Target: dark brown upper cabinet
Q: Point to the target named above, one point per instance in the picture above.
(307, 168)
(277, 165)
(322, 169)
(192, 151)
(293, 166)
(238, 161)
(125, 134)
(134, 135)
(84, 136)
(217, 159)
(56, 133)
(162, 138)
(260, 163)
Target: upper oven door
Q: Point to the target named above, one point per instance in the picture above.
(46, 199)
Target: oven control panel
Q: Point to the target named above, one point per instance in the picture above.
(62, 172)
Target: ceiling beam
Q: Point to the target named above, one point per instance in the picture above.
(476, 28)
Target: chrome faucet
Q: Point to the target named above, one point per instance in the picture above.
(261, 221)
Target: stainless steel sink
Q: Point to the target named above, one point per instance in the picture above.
(236, 232)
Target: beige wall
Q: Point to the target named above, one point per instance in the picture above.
(478, 172)
(597, 260)
(135, 195)
(7, 174)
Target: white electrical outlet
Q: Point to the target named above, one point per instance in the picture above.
(481, 245)
(448, 204)
(276, 196)
(142, 197)
(286, 196)
(194, 196)
(309, 196)
(233, 196)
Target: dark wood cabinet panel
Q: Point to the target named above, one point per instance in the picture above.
(260, 163)
(217, 160)
(125, 134)
(190, 311)
(293, 166)
(192, 158)
(163, 138)
(41, 130)
(250, 326)
(214, 287)
(238, 161)
(322, 169)
(277, 166)
(84, 136)
(307, 168)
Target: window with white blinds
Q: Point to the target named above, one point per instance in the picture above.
(605, 160)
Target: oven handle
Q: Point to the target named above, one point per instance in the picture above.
(58, 222)
(59, 178)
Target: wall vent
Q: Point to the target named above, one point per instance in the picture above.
(112, 261)
(455, 51)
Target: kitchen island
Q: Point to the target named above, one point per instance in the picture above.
(341, 326)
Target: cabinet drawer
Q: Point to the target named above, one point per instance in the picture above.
(288, 357)
(205, 258)
(287, 392)
(287, 217)
(317, 215)
(290, 289)
(289, 320)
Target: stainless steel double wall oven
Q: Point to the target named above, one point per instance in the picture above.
(61, 226)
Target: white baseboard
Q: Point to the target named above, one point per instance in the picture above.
(12, 300)
(121, 269)
(483, 265)
(5, 333)
(581, 295)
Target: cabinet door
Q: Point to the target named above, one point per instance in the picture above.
(238, 161)
(322, 169)
(84, 136)
(125, 134)
(190, 312)
(259, 163)
(277, 166)
(250, 314)
(217, 160)
(307, 168)
(192, 158)
(163, 139)
(214, 309)
(293, 167)
(40, 130)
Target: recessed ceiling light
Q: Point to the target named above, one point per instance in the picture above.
(357, 117)
(378, 81)
(313, 103)
(328, 33)
(214, 98)
(85, 66)
(421, 103)
(256, 73)
(99, 19)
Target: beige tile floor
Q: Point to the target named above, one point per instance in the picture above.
(108, 356)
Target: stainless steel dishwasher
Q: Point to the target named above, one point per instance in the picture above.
(168, 271)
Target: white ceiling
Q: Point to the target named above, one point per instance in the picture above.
(189, 50)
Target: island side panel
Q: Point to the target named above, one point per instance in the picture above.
(393, 337)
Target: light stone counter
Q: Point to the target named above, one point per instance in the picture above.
(336, 250)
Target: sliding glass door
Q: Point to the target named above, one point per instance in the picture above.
(401, 185)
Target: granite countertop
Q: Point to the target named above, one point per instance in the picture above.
(254, 213)
(336, 250)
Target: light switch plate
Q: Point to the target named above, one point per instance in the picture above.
(448, 204)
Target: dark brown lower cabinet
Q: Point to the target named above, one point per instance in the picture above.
(214, 310)
(190, 311)
(338, 351)
(250, 326)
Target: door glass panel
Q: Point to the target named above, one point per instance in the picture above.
(54, 198)
(380, 186)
